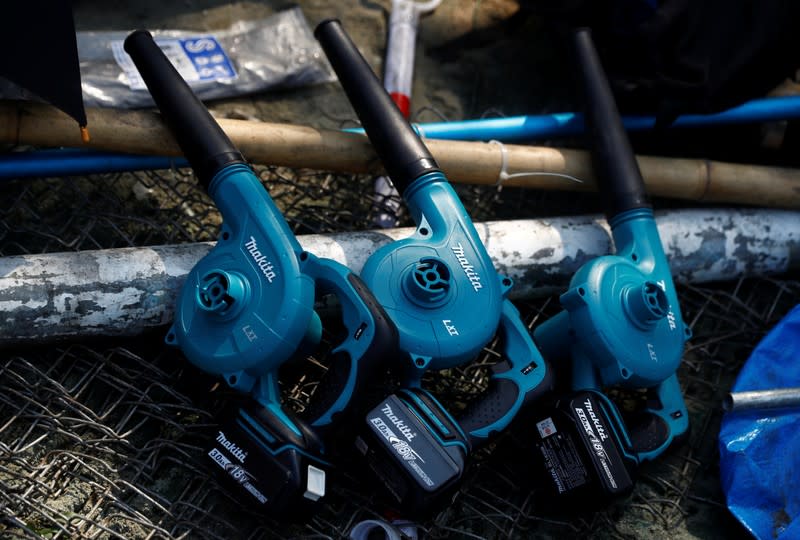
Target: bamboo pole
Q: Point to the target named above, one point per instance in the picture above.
(468, 162)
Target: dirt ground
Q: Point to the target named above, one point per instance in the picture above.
(473, 57)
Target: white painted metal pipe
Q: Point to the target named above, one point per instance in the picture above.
(127, 291)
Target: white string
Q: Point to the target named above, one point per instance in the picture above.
(503, 174)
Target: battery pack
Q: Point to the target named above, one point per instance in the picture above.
(283, 479)
(584, 449)
(416, 450)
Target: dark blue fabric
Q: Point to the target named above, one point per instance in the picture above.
(760, 450)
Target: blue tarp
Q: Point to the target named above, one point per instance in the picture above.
(760, 450)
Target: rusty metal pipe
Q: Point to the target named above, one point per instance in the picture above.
(126, 291)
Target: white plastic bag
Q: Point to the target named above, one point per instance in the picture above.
(250, 56)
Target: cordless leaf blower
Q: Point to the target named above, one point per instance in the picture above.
(621, 325)
(248, 307)
(441, 290)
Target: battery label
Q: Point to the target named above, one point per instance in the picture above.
(562, 461)
(594, 430)
(408, 442)
(238, 473)
(198, 59)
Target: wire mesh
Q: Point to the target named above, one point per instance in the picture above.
(103, 439)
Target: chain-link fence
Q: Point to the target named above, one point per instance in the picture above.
(103, 438)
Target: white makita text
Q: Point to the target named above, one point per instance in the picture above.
(595, 420)
(231, 447)
(469, 270)
(398, 423)
(261, 260)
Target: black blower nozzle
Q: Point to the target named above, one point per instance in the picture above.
(200, 137)
(617, 171)
(402, 152)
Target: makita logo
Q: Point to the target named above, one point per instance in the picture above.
(261, 260)
(670, 316)
(469, 270)
(399, 424)
(231, 447)
(596, 421)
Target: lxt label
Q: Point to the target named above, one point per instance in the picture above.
(197, 59)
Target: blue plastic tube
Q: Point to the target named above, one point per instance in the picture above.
(76, 162)
(568, 124)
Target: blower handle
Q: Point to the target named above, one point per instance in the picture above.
(521, 378)
(620, 181)
(402, 152)
(200, 137)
